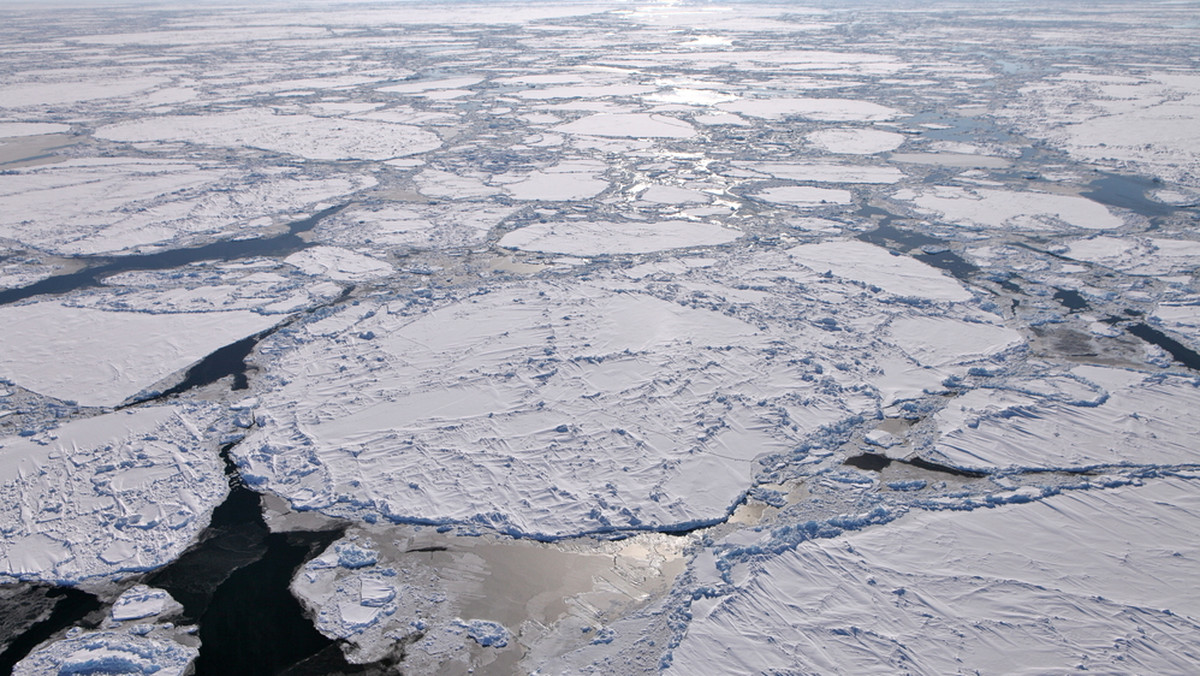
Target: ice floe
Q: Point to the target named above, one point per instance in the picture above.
(1023, 210)
(629, 125)
(110, 652)
(315, 138)
(855, 141)
(595, 238)
(1082, 580)
(1135, 421)
(116, 205)
(118, 493)
(825, 110)
(876, 266)
(102, 358)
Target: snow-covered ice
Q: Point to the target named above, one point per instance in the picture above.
(1024, 210)
(631, 125)
(1072, 582)
(117, 493)
(876, 266)
(110, 652)
(853, 141)
(103, 357)
(595, 238)
(310, 137)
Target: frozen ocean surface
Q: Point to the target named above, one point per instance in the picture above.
(599, 338)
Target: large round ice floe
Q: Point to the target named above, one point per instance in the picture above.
(596, 238)
(122, 492)
(544, 409)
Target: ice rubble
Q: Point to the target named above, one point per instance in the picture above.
(110, 652)
(109, 495)
(1076, 579)
(102, 357)
(315, 138)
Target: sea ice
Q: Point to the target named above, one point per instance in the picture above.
(316, 138)
(804, 196)
(825, 110)
(102, 358)
(592, 238)
(1137, 421)
(140, 602)
(1085, 579)
(855, 141)
(514, 409)
(110, 652)
(818, 172)
(877, 266)
(1010, 209)
(114, 494)
(338, 264)
(629, 125)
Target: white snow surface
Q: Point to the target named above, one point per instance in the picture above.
(1080, 580)
(826, 172)
(14, 129)
(595, 238)
(117, 493)
(805, 196)
(100, 357)
(140, 602)
(316, 138)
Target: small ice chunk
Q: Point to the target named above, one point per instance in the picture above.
(140, 601)
(485, 633)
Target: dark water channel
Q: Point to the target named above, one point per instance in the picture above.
(234, 584)
(70, 607)
(93, 275)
